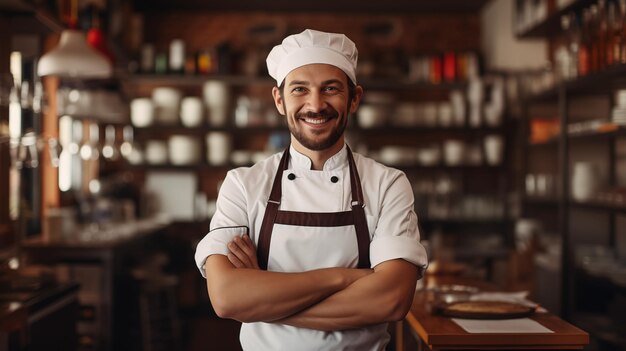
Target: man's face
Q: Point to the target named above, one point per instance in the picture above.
(315, 102)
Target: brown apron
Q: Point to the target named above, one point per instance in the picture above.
(354, 217)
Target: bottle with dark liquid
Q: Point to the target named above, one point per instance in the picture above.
(584, 48)
(601, 35)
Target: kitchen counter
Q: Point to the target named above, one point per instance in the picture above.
(102, 262)
(435, 332)
(36, 314)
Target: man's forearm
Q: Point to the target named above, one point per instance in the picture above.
(383, 296)
(250, 295)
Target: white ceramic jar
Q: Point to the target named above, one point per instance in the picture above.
(585, 181)
(370, 116)
(156, 152)
(494, 149)
(453, 152)
(141, 112)
(191, 111)
(184, 150)
(219, 147)
(166, 104)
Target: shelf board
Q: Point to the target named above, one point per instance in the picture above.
(473, 253)
(402, 84)
(464, 221)
(601, 82)
(182, 80)
(173, 129)
(596, 135)
(189, 80)
(552, 24)
(597, 206)
(201, 130)
(444, 168)
(464, 130)
(541, 200)
(346, 6)
(202, 166)
(547, 143)
(181, 168)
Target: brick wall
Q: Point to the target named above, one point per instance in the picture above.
(413, 33)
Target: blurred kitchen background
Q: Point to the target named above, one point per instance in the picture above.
(119, 119)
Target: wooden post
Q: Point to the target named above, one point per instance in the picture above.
(5, 48)
(50, 196)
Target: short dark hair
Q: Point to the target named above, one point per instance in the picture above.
(351, 89)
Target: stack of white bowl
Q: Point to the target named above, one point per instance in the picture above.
(142, 112)
(618, 114)
(216, 97)
(184, 150)
(218, 146)
(191, 111)
(166, 102)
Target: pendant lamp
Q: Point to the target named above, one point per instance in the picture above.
(73, 57)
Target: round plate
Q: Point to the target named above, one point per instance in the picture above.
(485, 310)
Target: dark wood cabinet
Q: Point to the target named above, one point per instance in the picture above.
(38, 318)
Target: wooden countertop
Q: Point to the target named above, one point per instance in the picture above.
(441, 333)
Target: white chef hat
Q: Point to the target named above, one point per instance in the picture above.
(312, 46)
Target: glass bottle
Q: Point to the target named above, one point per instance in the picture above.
(568, 25)
(584, 48)
(601, 35)
(436, 69)
(611, 35)
(593, 28)
(622, 31)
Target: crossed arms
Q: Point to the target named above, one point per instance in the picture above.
(327, 299)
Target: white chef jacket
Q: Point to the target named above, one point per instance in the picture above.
(391, 220)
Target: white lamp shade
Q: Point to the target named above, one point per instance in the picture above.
(73, 57)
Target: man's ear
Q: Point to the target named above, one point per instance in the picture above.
(278, 101)
(356, 100)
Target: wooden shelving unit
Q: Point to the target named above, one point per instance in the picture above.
(568, 147)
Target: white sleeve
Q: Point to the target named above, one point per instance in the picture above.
(230, 220)
(397, 234)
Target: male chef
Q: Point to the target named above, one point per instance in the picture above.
(316, 247)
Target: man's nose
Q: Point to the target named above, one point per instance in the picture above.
(316, 102)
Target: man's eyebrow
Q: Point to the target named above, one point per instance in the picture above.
(307, 83)
(332, 81)
(299, 82)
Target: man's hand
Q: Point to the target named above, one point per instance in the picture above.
(242, 253)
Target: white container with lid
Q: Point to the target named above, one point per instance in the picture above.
(141, 112)
(585, 181)
(191, 111)
(184, 150)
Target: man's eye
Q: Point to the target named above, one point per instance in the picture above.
(298, 90)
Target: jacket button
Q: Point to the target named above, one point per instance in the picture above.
(291, 176)
(334, 179)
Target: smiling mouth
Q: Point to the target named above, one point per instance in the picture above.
(315, 121)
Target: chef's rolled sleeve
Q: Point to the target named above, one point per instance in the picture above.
(397, 233)
(394, 247)
(215, 242)
(230, 220)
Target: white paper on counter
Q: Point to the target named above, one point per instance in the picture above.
(518, 325)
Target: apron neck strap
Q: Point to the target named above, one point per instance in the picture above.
(355, 181)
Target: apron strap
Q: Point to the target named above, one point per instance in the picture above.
(358, 213)
(265, 236)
